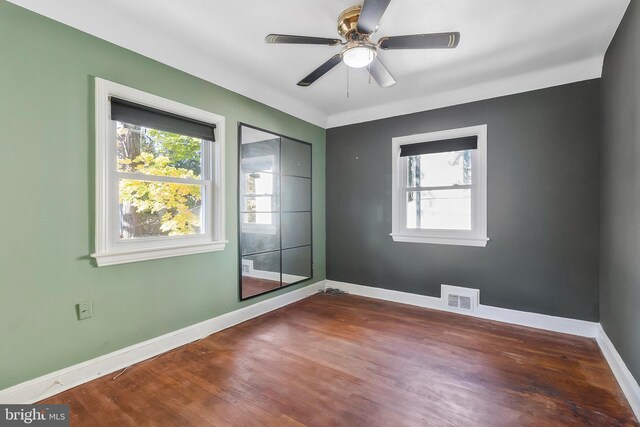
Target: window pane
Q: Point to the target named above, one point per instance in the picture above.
(154, 152)
(439, 169)
(151, 209)
(439, 209)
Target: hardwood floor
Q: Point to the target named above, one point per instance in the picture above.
(353, 361)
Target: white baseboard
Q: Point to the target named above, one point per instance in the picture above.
(534, 320)
(627, 382)
(64, 379)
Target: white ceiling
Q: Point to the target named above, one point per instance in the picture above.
(506, 46)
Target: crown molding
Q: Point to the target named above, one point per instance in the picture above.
(540, 79)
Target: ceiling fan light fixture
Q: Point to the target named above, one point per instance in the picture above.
(358, 56)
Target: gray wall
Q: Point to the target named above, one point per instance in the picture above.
(620, 196)
(543, 204)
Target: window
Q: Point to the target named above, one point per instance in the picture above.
(159, 177)
(440, 187)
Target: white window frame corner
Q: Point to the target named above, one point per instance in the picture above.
(108, 249)
(477, 236)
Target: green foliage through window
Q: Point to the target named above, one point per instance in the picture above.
(154, 208)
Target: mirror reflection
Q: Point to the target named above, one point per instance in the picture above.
(260, 273)
(274, 211)
(296, 264)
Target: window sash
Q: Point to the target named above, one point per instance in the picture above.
(419, 166)
(159, 178)
(443, 187)
(205, 154)
(404, 171)
(206, 205)
(204, 230)
(418, 210)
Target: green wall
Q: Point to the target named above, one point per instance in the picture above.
(47, 199)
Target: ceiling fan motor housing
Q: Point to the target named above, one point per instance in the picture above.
(347, 23)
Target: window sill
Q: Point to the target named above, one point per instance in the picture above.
(125, 257)
(459, 241)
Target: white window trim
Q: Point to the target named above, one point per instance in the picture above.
(109, 250)
(477, 236)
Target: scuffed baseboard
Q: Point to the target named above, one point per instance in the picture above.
(564, 325)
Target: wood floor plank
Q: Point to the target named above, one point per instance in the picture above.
(353, 361)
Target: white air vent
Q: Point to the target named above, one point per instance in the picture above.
(465, 303)
(459, 298)
(454, 300)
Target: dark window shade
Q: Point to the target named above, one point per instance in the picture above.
(443, 146)
(136, 114)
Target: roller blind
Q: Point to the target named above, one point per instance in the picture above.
(141, 115)
(442, 146)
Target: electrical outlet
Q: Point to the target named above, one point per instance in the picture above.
(84, 310)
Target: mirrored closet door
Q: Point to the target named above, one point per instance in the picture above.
(274, 211)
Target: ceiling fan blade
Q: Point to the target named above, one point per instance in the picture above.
(370, 15)
(380, 73)
(288, 39)
(421, 41)
(320, 71)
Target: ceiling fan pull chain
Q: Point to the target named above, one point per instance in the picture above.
(369, 66)
(347, 82)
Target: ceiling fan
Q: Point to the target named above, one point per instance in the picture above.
(356, 25)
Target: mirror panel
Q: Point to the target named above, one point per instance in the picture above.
(274, 218)
(296, 158)
(296, 264)
(296, 229)
(259, 192)
(260, 156)
(260, 273)
(259, 232)
(296, 194)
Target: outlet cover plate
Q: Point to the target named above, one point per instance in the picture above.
(84, 310)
